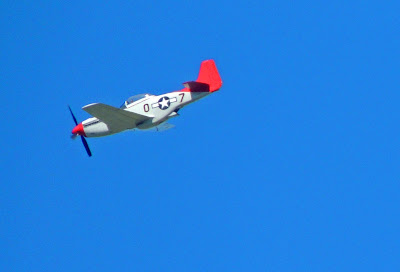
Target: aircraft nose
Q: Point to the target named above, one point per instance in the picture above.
(79, 130)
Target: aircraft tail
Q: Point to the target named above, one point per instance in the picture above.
(208, 80)
(209, 74)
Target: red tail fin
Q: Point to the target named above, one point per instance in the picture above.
(209, 74)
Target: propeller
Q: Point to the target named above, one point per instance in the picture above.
(85, 144)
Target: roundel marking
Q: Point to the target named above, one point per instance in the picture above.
(164, 103)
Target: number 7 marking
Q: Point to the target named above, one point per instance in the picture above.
(183, 95)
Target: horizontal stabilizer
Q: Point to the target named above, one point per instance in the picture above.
(195, 86)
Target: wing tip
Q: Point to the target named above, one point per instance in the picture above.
(89, 105)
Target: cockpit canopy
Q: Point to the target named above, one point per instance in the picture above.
(134, 98)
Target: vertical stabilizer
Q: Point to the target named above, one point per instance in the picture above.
(209, 74)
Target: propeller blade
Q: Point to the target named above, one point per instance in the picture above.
(86, 146)
(73, 116)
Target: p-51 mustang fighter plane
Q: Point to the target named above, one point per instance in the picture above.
(146, 111)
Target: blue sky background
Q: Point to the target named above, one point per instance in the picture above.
(292, 166)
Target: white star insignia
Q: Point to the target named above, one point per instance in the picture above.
(164, 103)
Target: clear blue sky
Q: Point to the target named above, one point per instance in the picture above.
(292, 166)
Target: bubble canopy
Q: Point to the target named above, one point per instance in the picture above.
(134, 98)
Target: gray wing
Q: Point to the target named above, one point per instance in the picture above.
(115, 118)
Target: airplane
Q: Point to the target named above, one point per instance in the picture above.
(146, 111)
